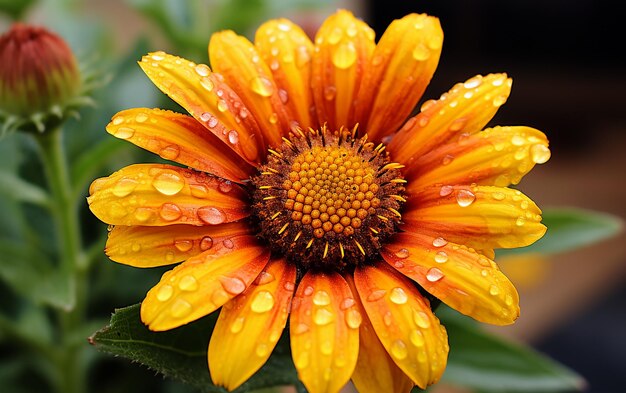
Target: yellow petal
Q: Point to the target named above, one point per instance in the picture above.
(479, 217)
(203, 283)
(288, 51)
(465, 109)
(498, 156)
(343, 47)
(324, 331)
(235, 58)
(155, 195)
(375, 371)
(179, 138)
(460, 277)
(403, 322)
(398, 72)
(250, 325)
(207, 98)
(141, 246)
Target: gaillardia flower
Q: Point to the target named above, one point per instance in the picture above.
(310, 197)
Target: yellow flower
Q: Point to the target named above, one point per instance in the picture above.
(292, 211)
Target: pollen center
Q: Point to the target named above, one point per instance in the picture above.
(328, 199)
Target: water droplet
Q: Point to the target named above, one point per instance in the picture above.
(124, 132)
(222, 106)
(183, 245)
(347, 303)
(376, 295)
(168, 183)
(458, 124)
(494, 290)
(434, 274)
(262, 86)
(180, 308)
(321, 298)
(143, 214)
(421, 52)
(387, 318)
(158, 56)
(263, 302)
(228, 243)
(164, 293)
(136, 247)
(353, 318)
(237, 325)
(398, 296)
(344, 56)
(417, 338)
(499, 100)
(302, 56)
(323, 317)
(273, 119)
(211, 215)
(518, 140)
(233, 137)
(283, 95)
(327, 347)
(330, 92)
(124, 187)
(207, 84)
(465, 198)
(206, 243)
(232, 285)
(520, 221)
(498, 196)
(402, 253)
(435, 42)
(377, 60)
(441, 257)
(308, 291)
(539, 153)
(169, 257)
(219, 297)
(289, 286)
(188, 283)
(484, 273)
(141, 117)
(170, 152)
(421, 319)
(439, 242)
(264, 278)
(302, 361)
(447, 159)
(446, 190)
(508, 300)
(203, 70)
(170, 212)
(473, 82)
(301, 328)
(399, 350)
(262, 350)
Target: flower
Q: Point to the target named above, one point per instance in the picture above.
(39, 80)
(293, 211)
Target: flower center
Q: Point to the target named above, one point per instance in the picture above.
(327, 199)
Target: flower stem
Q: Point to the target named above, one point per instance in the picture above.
(72, 260)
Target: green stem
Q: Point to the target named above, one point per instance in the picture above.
(72, 259)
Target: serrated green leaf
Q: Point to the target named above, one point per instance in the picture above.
(481, 361)
(571, 228)
(182, 353)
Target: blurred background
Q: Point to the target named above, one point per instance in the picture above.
(569, 70)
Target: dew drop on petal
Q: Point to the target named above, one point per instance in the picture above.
(141, 117)
(308, 291)
(347, 303)
(211, 215)
(219, 297)
(421, 319)
(168, 183)
(439, 242)
(447, 159)
(376, 295)
(387, 318)
(518, 140)
(301, 328)
(124, 187)
(183, 245)
(264, 278)
(539, 153)
(421, 52)
(262, 86)
(499, 100)
(273, 119)
(302, 361)
(402, 253)
(498, 196)
(233, 137)
(232, 285)
(283, 95)
(398, 296)
(207, 84)
(124, 132)
(323, 317)
(508, 300)
(441, 257)
(446, 190)
(143, 214)
(327, 347)
(434, 274)
(417, 338)
(262, 350)
(494, 290)
(170, 152)
(330, 92)
(180, 308)
(206, 243)
(164, 293)
(321, 298)
(473, 82)
(222, 106)
(465, 198)
(228, 243)
(188, 283)
(520, 221)
(399, 350)
(170, 212)
(353, 318)
(203, 70)
(263, 302)
(237, 325)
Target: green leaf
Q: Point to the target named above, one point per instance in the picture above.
(21, 190)
(571, 228)
(182, 353)
(32, 275)
(479, 360)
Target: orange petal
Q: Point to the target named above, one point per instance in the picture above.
(398, 72)
(155, 195)
(179, 138)
(324, 332)
(343, 47)
(465, 109)
(375, 371)
(403, 322)
(207, 98)
(238, 61)
(140, 246)
(250, 325)
(479, 217)
(203, 283)
(498, 156)
(460, 277)
(288, 51)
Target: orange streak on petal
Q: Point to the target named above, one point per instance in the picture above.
(141, 246)
(477, 216)
(324, 331)
(343, 45)
(209, 100)
(398, 72)
(375, 371)
(245, 71)
(156, 195)
(459, 276)
(288, 51)
(463, 110)
(250, 325)
(203, 283)
(179, 138)
(404, 323)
